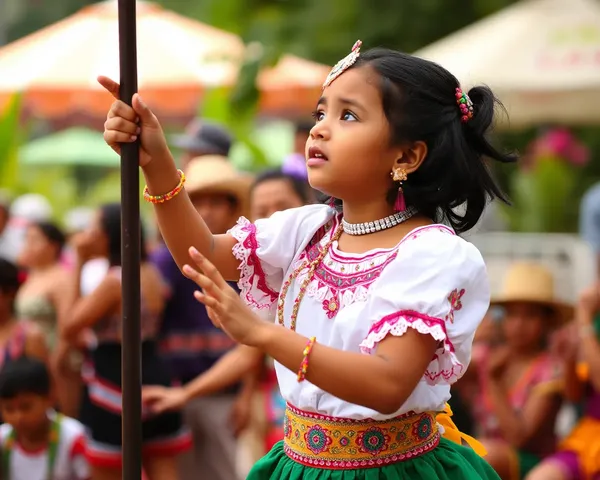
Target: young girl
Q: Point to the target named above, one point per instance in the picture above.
(375, 304)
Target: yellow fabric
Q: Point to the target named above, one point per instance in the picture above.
(338, 443)
(452, 433)
(585, 441)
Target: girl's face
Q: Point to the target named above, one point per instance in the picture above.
(37, 249)
(525, 325)
(353, 135)
(273, 196)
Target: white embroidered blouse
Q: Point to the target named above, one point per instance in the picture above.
(432, 281)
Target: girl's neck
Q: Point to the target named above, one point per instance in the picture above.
(362, 212)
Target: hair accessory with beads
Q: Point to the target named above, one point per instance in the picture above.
(344, 64)
(465, 104)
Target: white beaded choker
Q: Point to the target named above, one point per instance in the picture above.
(378, 225)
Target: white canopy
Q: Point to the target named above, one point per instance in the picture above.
(541, 57)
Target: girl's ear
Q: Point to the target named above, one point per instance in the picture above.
(411, 157)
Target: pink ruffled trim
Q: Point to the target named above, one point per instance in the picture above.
(252, 275)
(444, 367)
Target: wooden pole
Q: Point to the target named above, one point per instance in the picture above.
(130, 254)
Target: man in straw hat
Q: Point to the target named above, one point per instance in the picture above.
(519, 381)
(189, 339)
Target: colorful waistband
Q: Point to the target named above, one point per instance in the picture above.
(327, 442)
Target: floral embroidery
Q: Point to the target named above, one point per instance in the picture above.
(373, 441)
(444, 365)
(331, 306)
(455, 303)
(252, 276)
(317, 439)
(287, 428)
(423, 428)
(343, 443)
(338, 289)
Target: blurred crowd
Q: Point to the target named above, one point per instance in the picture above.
(531, 393)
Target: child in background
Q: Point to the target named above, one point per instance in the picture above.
(37, 443)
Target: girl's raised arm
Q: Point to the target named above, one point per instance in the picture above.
(180, 225)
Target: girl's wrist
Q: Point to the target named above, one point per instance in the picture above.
(159, 164)
(263, 335)
(161, 174)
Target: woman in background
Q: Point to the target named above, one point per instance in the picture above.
(43, 300)
(578, 456)
(163, 435)
(519, 381)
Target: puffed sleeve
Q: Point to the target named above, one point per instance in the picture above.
(438, 286)
(267, 248)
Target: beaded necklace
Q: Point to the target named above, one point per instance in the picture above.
(53, 441)
(312, 267)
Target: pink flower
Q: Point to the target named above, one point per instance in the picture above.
(331, 306)
(558, 142)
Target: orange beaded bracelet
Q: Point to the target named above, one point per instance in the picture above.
(304, 364)
(167, 196)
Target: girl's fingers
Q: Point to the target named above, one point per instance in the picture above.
(202, 281)
(121, 125)
(208, 268)
(211, 304)
(121, 109)
(113, 137)
(109, 85)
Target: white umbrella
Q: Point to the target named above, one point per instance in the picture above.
(541, 57)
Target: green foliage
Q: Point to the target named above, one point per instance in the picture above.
(10, 139)
(542, 197)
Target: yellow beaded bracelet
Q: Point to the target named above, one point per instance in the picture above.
(304, 364)
(167, 196)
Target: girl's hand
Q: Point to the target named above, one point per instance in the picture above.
(163, 399)
(223, 304)
(124, 124)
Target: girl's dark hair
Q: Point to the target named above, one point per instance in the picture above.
(299, 185)
(53, 234)
(419, 102)
(9, 276)
(110, 219)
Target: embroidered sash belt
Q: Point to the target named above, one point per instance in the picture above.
(327, 442)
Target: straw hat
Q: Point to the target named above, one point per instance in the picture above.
(533, 283)
(215, 174)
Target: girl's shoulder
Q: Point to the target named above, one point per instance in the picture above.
(289, 229)
(437, 246)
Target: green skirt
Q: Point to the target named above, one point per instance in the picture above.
(448, 461)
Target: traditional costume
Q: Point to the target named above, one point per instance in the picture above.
(432, 281)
